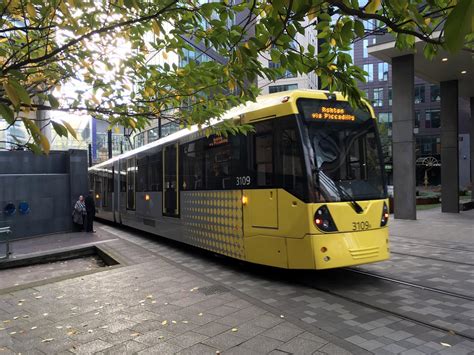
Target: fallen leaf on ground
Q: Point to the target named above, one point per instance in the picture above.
(33, 328)
(38, 297)
(47, 340)
(12, 333)
(234, 329)
(164, 322)
(149, 296)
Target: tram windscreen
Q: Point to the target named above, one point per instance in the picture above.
(344, 151)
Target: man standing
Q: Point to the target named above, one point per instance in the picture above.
(90, 211)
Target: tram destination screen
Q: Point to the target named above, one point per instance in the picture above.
(331, 111)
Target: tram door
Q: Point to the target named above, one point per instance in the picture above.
(170, 181)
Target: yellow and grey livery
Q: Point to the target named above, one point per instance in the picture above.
(306, 190)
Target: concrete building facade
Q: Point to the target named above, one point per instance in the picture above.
(427, 114)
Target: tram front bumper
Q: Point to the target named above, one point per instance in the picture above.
(335, 250)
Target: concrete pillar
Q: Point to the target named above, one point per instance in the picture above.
(471, 144)
(449, 147)
(404, 169)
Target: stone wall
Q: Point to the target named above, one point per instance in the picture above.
(37, 192)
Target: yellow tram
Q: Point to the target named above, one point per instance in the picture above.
(305, 190)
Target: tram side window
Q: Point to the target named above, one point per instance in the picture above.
(291, 165)
(131, 175)
(155, 168)
(110, 178)
(222, 162)
(123, 176)
(142, 174)
(263, 154)
(192, 156)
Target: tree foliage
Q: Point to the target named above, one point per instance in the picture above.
(116, 52)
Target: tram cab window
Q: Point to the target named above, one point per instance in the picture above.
(142, 174)
(192, 157)
(222, 162)
(263, 154)
(155, 171)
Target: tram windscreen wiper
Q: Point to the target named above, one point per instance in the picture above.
(330, 184)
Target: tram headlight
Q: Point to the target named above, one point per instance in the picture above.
(323, 220)
(385, 215)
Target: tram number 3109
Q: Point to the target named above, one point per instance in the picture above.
(243, 180)
(360, 226)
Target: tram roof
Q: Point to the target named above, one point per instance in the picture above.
(266, 106)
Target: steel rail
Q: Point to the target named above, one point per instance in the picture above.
(410, 284)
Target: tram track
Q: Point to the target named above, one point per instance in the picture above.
(342, 295)
(410, 284)
(392, 313)
(431, 258)
(437, 246)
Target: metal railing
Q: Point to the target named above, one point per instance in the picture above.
(5, 231)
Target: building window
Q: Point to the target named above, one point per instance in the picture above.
(385, 118)
(279, 88)
(417, 119)
(152, 135)
(369, 69)
(378, 97)
(286, 74)
(365, 43)
(432, 119)
(139, 139)
(390, 96)
(419, 94)
(383, 71)
(435, 93)
(428, 145)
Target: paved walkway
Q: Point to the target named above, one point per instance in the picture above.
(150, 305)
(170, 298)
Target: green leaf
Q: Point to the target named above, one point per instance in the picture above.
(60, 129)
(7, 113)
(346, 31)
(359, 28)
(20, 91)
(53, 101)
(70, 129)
(459, 23)
(12, 94)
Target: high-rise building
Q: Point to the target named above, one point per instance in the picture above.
(289, 81)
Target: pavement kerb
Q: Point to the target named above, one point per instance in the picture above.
(68, 254)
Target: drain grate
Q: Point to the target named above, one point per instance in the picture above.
(213, 290)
